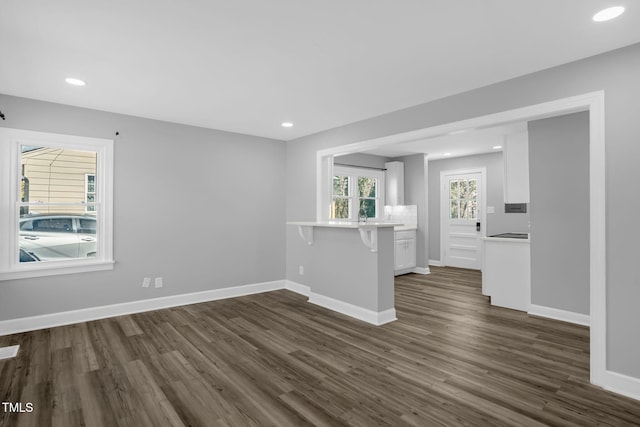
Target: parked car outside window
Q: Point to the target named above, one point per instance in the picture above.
(27, 257)
(47, 237)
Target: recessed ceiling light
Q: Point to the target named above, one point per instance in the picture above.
(287, 124)
(447, 154)
(75, 82)
(608, 13)
(497, 147)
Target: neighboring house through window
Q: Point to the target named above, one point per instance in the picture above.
(56, 197)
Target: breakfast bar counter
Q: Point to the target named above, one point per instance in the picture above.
(350, 267)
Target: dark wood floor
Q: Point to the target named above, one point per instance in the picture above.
(274, 359)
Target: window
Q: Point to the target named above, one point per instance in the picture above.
(356, 193)
(341, 206)
(56, 208)
(463, 199)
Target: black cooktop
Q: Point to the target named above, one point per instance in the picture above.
(512, 235)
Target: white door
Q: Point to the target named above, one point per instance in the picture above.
(461, 202)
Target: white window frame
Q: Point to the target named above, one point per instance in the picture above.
(353, 173)
(10, 176)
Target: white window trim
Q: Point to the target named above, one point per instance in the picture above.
(353, 173)
(10, 141)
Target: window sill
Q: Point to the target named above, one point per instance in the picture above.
(56, 268)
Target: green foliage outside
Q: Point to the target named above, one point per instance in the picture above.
(367, 193)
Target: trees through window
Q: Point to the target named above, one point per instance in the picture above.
(357, 193)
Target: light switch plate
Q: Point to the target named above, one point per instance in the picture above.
(146, 282)
(158, 282)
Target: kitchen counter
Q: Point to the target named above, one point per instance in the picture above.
(346, 224)
(506, 272)
(348, 267)
(368, 230)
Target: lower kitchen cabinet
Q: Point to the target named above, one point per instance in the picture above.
(405, 251)
(506, 272)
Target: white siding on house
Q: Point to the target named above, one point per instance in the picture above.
(57, 176)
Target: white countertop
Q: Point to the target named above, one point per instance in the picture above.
(346, 224)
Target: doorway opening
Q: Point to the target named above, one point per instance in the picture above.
(591, 102)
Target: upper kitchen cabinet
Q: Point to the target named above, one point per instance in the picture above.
(516, 167)
(394, 183)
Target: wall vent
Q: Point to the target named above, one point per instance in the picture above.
(515, 208)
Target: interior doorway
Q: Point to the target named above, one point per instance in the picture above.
(462, 206)
(591, 102)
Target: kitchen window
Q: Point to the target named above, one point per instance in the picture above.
(356, 193)
(56, 210)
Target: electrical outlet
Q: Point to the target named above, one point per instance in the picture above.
(146, 282)
(301, 270)
(158, 282)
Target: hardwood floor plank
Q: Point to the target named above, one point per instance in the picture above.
(273, 359)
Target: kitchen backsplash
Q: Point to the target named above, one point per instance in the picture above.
(406, 214)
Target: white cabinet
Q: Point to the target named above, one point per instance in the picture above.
(394, 183)
(405, 251)
(506, 272)
(516, 167)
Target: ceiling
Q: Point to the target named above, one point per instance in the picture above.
(455, 144)
(248, 65)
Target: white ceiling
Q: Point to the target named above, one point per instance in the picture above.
(248, 65)
(456, 144)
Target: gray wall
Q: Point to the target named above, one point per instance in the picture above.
(415, 193)
(343, 268)
(498, 222)
(362, 159)
(559, 188)
(202, 208)
(614, 72)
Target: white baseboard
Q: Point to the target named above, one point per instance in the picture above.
(9, 352)
(435, 262)
(421, 270)
(374, 317)
(33, 323)
(557, 314)
(25, 324)
(297, 288)
(621, 384)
